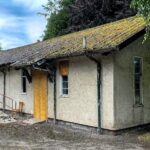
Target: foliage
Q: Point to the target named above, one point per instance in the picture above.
(58, 16)
(91, 13)
(143, 8)
(65, 16)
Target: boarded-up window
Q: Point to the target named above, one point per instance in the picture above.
(64, 68)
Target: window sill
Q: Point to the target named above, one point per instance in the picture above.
(138, 105)
(64, 96)
(23, 93)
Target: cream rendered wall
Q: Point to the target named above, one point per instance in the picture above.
(126, 114)
(81, 104)
(13, 90)
(50, 100)
(107, 92)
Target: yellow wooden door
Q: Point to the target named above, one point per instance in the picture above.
(40, 95)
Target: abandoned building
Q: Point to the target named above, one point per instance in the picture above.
(99, 77)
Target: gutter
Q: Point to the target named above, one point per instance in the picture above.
(98, 90)
(38, 68)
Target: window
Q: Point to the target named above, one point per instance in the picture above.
(24, 82)
(64, 90)
(138, 80)
(64, 72)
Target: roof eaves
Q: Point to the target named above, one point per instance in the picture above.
(75, 54)
(131, 39)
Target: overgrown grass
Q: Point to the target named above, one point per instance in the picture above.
(145, 138)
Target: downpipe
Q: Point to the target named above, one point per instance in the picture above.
(55, 95)
(98, 90)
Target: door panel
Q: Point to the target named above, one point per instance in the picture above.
(40, 95)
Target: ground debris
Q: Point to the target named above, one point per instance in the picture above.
(47, 136)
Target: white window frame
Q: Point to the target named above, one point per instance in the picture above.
(141, 82)
(61, 87)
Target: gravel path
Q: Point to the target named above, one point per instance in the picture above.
(48, 137)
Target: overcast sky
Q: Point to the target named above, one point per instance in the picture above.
(19, 22)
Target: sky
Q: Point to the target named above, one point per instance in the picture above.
(20, 23)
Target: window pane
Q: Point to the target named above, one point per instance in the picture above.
(137, 67)
(65, 78)
(137, 63)
(137, 97)
(137, 93)
(137, 86)
(65, 85)
(65, 91)
(137, 77)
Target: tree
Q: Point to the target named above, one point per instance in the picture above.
(65, 16)
(91, 13)
(58, 16)
(143, 8)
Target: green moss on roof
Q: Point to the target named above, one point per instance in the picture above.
(107, 36)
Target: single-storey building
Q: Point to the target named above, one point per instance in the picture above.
(99, 77)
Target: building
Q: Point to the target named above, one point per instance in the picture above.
(98, 77)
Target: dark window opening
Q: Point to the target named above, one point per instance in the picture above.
(137, 79)
(24, 82)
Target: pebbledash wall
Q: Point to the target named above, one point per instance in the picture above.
(14, 90)
(126, 113)
(81, 104)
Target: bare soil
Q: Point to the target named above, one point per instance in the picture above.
(49, 137)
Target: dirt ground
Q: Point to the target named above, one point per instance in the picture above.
(49, 137)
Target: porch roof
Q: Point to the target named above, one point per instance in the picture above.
(100, 39)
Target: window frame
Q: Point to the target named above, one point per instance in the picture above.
(140, 103)
(23, 77)
(61, 87)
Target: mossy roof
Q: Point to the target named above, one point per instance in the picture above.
(99, 39)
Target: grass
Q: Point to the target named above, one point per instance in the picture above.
(145, 138)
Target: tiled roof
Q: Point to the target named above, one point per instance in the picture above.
(98, 39)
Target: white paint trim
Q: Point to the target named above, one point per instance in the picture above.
(23, 93)
(60, 89)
